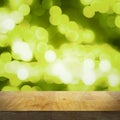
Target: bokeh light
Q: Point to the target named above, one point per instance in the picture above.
(58, 45)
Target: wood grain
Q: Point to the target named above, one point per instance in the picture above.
(59, 101)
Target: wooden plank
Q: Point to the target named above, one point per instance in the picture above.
(62, 101)
(53, 115)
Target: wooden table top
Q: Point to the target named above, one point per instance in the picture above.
(60, 101)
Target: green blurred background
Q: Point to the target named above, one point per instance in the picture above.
(59, 45)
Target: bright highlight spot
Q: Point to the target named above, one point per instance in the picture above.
(17, 16)
(50, 56)
(88, 77)
(11, 67)
(7, 24)
(105, 65)
(22, 49)
(88, 63)
(58, 69)
(113, 80)
(22, 73)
